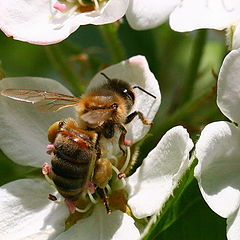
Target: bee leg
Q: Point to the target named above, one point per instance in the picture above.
(106, 203)
(104, 197)
(121, 140)
(141, 117)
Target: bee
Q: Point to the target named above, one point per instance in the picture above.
(76, 162)
(104, 109)
(76, 157)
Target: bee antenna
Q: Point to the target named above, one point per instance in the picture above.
(108, 78)
(145, 91)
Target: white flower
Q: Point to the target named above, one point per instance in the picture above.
(142, 14)
(218, 152)
(26, 213)
(216, 14)
(51, 21)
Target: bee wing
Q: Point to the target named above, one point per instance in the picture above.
(97, 117)
(50, 101)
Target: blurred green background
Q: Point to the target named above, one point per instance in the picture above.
(186, 65)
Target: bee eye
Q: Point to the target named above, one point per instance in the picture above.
(60, 124)
(125, 90)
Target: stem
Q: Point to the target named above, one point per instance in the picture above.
(109, 34)
(195, 59)
(61, 64)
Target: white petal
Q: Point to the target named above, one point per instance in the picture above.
(24, 129)
(40, 23)
(143, 14)
(228, 97)
(236, 38)
(217, 14)
(102, 226)
(112, 11)
(153, 183)
(135, 71)
(26, 212)
(218, 168)
(233, 223)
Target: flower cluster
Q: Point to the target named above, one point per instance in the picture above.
(218, 150)
(26, 199)
(50, 21)
(144, 192)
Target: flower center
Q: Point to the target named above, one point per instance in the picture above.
(79, 5)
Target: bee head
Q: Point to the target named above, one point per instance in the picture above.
(122, 88)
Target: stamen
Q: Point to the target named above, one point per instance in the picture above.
(91, 197)
(85, 209)
(125, 165)
(50, 181)
(119, 174)
(81, 2)
(96, 5)
(108, 188)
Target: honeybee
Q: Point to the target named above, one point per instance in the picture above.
(103, 109)
(76, 162)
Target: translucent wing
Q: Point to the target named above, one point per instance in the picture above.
(50, 101)
(97, 117)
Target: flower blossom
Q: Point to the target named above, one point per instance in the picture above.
(218, 152)
(143, 14)
(26, 213)
(51, 21)
(214, 14)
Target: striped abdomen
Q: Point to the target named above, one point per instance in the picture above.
(72, 162)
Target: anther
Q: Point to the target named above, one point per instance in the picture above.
(52, 197)
(121, 175)
(127, 142)
(60, 6)
(50, 148)
(46, 169)
(91, 187)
